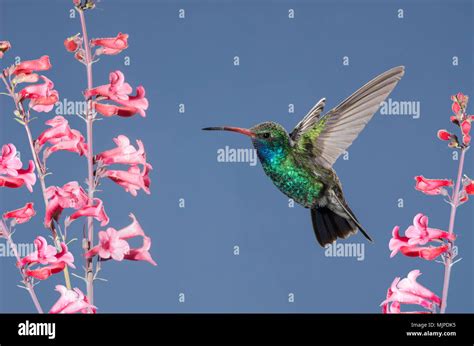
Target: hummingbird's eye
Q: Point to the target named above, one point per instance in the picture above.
(266, 135)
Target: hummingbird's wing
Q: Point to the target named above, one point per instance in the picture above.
(308, 121)
(332, 134)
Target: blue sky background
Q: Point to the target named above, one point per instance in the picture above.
(282, 61)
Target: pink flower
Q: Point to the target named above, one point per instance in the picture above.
(469, 188)
(42, 96)
(23, 177)
(409, 291)
(419, 234)
(459, 102)
(47, 255)
(4, 47)
(124, 153)
(432, 186)
(73, 43)
(96, 210)
(444, 135)
(119, 91)
(44, 254)
(112, 45)
(27, 67)
(131, 180)
(21, 215)
(59, 129)
(10, 163)
(71, 302)
(71, 195)
(113, 244)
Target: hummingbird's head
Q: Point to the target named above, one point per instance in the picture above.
(270, 139)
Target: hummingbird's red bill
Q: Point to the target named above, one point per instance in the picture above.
(243, 131)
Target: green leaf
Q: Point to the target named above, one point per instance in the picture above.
(20, 121)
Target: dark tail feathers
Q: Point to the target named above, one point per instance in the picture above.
(328, 226)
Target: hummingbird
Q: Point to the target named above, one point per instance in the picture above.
(300, 163)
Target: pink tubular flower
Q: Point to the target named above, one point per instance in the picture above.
(71, 302)
(113, 244)
(42, 96)
(27, 67)
(112, 45)
(21, 215)
(124, 153)
(409, 291)
(96, 211)
(62, 137)
(73, 43)
(71, 195)
(47, 255)
(119, 91)
(4, 47)
(23, 177)
(131, 180)
(432, 186)
(10, 163)
(419, 234)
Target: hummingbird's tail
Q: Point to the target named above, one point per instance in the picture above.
(328, 225)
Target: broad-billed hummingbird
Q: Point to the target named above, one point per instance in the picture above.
(300, 163)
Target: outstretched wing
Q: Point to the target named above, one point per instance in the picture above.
(331, 135)
(309, 120)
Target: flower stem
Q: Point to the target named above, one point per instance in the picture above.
(90, 162)
(449, 259)
(41, 171)
(29, 287)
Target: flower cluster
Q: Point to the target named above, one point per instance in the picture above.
(425, 242)
(115, 98)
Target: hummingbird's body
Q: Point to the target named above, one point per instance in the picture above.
(300, 163)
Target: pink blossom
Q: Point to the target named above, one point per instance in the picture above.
(74, 143)
(113, 244)
(71, 195)
(444, 135)
(42, 96)
(27, 67)
(131, 180)
(4, 47)
(59, 129)
(112, 45)
(432, 186)
(409, 291)
(73, 43)
(25, 78)
(23, 177)
(21, 215)
(10, 163)
(96, 210)
(119, 91)
(419, 234)
(44, 254)
(71, 302)
(124, 153)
